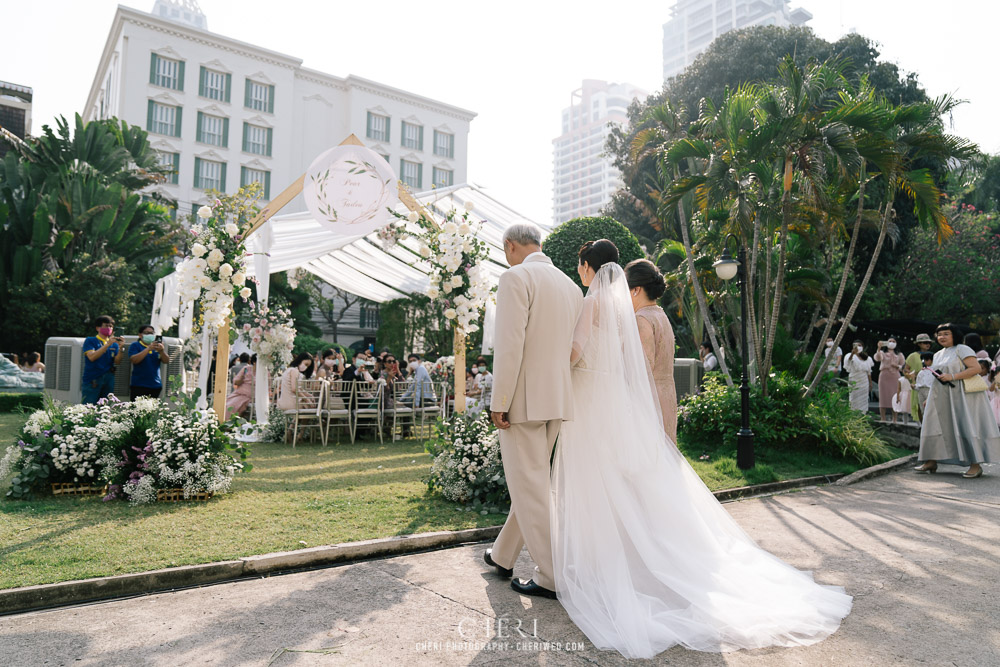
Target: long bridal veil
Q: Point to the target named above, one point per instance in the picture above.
(645, 557)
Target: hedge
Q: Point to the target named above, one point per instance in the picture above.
(563, 244)
(15, 402)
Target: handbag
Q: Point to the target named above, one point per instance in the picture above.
(974, 384)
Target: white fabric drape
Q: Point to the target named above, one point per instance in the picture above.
(206, 363)
(259, 245)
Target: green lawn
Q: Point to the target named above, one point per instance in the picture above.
(308, 496)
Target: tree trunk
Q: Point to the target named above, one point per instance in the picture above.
(700, 294)
(861, 288)
(751, 288)
(786, 214)
(835, 308)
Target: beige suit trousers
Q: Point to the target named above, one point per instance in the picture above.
(526, 449)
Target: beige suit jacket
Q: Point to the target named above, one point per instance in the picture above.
(537, 309)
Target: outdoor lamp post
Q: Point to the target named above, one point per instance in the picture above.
(727, 268)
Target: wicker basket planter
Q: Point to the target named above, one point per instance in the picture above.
(73, 489)
(177, 495)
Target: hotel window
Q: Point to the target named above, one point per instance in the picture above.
(171, 161)
(443, 177)
(209, 174)
(163, 119)
(413, 136)
(166, 72)
(213, 130)
(378, 127)
(215, 85)
(259, 96)
(444, 144)
(257, 140)
(262, 176)
(411, 173)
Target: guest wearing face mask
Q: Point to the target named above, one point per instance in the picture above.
(359, 369)
(859, 376)
(301, 367)
(834, 358)
(892, 363)
(102, 352)
(421, 393)
(146, 355)
(331, 366)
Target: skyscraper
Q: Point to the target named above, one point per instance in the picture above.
(15, 112)
(695, 23)
(583, 177)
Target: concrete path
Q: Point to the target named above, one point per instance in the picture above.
(920, 554)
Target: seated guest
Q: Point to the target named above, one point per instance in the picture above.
(421, 393)
(359, 369)
(242, 395)
(331, 364)
(102, 352)
(146, 355)
(242, 361)
(300, 367)
(33, 363)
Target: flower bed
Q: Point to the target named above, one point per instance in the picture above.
(136, 449)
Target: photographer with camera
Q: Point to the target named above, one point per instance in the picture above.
(102, 352)
(146, 355)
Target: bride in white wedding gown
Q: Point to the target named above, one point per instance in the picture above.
(645, 557)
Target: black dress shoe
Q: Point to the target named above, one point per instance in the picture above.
(529, 587)
(502, 571)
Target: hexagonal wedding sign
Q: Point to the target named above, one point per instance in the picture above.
(348, 188)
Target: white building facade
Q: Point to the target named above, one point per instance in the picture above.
(224, 113)
(584, 178)
(695, 23)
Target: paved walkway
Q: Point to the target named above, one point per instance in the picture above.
(919, 553)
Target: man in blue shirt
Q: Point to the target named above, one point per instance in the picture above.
(102, 352)
(146, 355)
(421, 393)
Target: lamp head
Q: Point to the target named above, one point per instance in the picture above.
(726, 267)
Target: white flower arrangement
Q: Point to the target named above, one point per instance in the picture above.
(467, 466)
(271, 335)
(215, 273)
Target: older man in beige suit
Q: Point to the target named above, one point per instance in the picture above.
(537, 309)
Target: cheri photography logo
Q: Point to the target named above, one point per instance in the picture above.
(498, 634)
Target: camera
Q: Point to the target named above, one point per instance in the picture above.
(885, 348)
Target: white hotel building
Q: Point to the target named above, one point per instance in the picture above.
(225, 113)
(584, 178)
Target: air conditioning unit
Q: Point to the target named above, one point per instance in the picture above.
(64, 360)
(687, 376)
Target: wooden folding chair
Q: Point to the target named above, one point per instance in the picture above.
(337, 408)
(368, 407)
(400, 406)
(308, 409)
(433, 406)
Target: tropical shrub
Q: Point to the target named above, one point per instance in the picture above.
(563, 244)
(783, 419)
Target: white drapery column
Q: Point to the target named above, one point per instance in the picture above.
(261, 244)
(206, 363)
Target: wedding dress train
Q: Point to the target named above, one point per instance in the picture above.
(645, 557)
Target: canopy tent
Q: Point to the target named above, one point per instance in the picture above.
(360, 265)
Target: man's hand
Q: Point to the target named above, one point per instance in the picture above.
(500, 420)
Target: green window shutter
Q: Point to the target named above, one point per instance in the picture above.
(198, 125)
(222, 178)
(229, 86)
(402, 134)
(180, 76)
(421, 139)
(246, 128)
(368, 129)
(225, 133)
(149, 116)
(243, 176)
(177, 121)
(267, 185)
(152, 68)
(177, 169)
(388, 126)
(270, 131)
(197, 171)
(270, 99)
(246, 94)
(402, 170)
(201, 82)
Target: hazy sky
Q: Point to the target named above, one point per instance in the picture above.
(515, 63)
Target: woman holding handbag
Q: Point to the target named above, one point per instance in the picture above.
(959, 427)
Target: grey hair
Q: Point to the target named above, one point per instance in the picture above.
(523, 234)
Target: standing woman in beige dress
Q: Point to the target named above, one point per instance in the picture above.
(645, 283)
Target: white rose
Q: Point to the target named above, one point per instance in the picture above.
(447, 288)
(239, 278)
(450, 228)
(425, 252)
(204, 281)
(469, 206)
(245, 293)
(413, 216)
(464, 228)
(433, 292)
(215, 258)
(204, 212)
(232, 229)
(225, 270)
(456, 281)
(198, 250)
(450, 314)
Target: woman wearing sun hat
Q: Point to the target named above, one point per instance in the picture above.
(913, 366)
